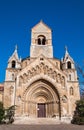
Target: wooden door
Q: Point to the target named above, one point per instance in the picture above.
(41, 110)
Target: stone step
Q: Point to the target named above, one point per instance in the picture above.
(27, 120)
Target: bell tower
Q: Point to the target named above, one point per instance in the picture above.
(41, 41)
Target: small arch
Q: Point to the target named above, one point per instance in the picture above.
(41, 40)
(64, 99)
(69, 65)
(13, 64)
(71, 91)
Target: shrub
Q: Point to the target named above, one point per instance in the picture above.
(78, 117)
(1, 112)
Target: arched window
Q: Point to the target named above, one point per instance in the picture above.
(71, 91)
(69, 77)
(69, 65)
(13, 77)
(41, 40)
(13, 64)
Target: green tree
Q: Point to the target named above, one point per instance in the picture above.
(9, 116)
(78, 117)
(2, 111)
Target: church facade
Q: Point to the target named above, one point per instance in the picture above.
(41, 85)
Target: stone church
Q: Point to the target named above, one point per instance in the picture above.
(41, 85)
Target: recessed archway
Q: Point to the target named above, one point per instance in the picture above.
(42, 94)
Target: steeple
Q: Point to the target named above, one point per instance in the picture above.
(14, 60)
(16, 47)
(41, 41)
(66, 50)
(67, 55)
(68, 62)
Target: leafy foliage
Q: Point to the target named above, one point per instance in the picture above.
(78, 117)
(1, 111)
(10, 114)
(6, 115)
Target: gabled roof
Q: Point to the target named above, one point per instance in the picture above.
(41, 23)
(67, 55)
(14, 55)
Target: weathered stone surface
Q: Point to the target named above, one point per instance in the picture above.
(41, 86)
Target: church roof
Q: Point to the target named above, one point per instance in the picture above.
(41, 22)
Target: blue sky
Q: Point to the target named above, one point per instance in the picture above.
(17, 17)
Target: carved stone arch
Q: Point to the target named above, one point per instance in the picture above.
(39, 90)
(43, 91)
(45, 78)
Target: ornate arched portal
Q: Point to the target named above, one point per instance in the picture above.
(41, 99)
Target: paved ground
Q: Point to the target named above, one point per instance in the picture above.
(42, 127)
(25, 123)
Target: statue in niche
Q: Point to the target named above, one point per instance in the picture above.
(33, 71)
(64, 99)
(29, 74)
(55, 75)
(58, 78)
(37, 69)
(50, 72)
(20, 80)
(63, 81)
(42, 67)
(24, 78)
(46, 69)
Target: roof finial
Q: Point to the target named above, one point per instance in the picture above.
(41, 20)
(16, 47)
(66, 49)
